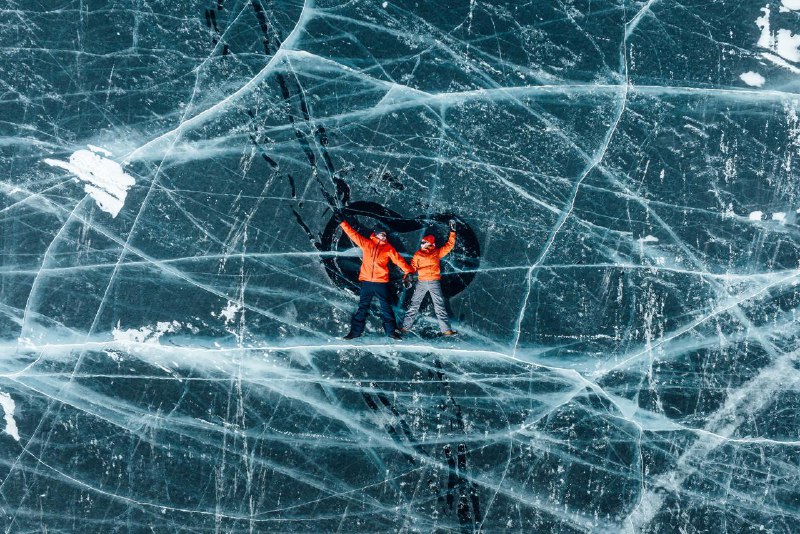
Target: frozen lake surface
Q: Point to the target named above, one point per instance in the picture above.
(173, 289)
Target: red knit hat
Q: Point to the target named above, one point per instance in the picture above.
(430, 239)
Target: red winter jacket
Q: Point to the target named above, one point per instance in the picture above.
(375, 256)
(426, 262)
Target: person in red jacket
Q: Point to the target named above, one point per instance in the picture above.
(426, 263)
(376, 253)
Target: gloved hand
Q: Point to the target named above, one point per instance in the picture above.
(338, 215)
(452, 225)
(409, 279)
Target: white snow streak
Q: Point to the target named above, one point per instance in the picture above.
(784, 43)
(145, 334)
(8, 408)
(752, 79)
(106, 182)
(229, 313)
(792, 5)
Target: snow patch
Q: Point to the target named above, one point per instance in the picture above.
(8, 408)
(753, 79)
(228, 314)
(790, 5)
(648, 239)
(765, 39)
(780, 62)
(786, 45)
(779, 216)
(145, 334)
(783, 43)
(755, 215)
(106, 182)
(113, 355)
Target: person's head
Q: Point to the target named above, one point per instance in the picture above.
(380, 233)
(428, 242)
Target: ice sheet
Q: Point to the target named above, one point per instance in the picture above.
(173, 288)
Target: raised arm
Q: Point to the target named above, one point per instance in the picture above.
(451, 242)
(354, 236)
(398, 260)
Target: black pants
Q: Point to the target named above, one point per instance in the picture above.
(381, 292)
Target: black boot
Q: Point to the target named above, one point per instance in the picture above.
(351, 335)
(395, 335)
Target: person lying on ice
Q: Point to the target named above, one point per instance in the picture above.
(426, 263)
(376, 253)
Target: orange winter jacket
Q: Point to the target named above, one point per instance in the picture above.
(426, 262)
(375, 256)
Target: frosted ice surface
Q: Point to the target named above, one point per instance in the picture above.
(629, 351)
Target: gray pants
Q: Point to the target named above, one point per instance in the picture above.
(423, 288)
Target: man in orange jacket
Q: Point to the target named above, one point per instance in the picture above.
(376, 253)
(426, 263)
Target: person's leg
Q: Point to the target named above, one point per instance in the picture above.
(360, 316)
(438, 305)
(382, 294)
(416, 301)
